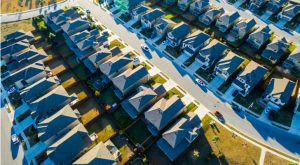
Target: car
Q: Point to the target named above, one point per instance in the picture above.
(235, 93)
(153, 35)
(145, 47)
(267, 110)
(200, 82)
(14, 138)
(88, 11)
(164, 42)
(218, 114)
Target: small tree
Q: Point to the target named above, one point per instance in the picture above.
(51, 37)
(97, 93)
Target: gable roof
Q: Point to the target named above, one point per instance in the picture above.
(77, 37)
(69, 14)
(180, 31)
(261, 33)
(276, 48)
(140, 9)
(152, 15)
(98, 155)
(280, 88)
(201, 3)
(212, 13)
(55, 13)
(246, 25)
(229, 17)
(163, 23)
(114, 64)
(196, 39)
(129, 77)
(230, 63)
(15, 37)
(100, 55)
(15, 48)
(68, 27)
(63, 151)
(163, 111)
(214, 50)
(57, 122)
(295, 54)
(291, 10)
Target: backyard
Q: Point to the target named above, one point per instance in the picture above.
(57, 66)
(7, 28)
(108, 96)
(79, 90)
(156, 79)
(67, 79)
(122, 118)
(125, 148)
(89, 110)
(139, 134)
(82, 72)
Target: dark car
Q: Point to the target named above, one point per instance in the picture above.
(235, 93)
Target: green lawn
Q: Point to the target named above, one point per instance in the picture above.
(82, 72)
(116, 43)
(146, 32)
(146, 65)
(169, 15)
(284, 117)
(108, 96)
(156, 79)
(191, 107)
(173, 91)
(122, 118)
(251, 101)
(206, 74)
(138, 133)
(175, 52)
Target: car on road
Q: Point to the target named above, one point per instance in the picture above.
(200, 82)
(145, 47)
(219, 116)
(235, 93)
(14, 138)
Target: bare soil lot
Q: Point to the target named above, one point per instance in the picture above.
(12, 6)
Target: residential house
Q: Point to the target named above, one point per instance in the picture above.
(163, 26)
(259, 37)
(242, 29)
(51, 102)
(180, 135)
(293, 61)
(94, 60)
(128, 5)
(178, 33)
(63, 151)
(162, 113)
(276, 49)
(274, 6)
(249, 78)
(9, 52)
(278, 92)
(289, 12)
(75, 26)
(151, 18)
(39, 88)
(184, 4)
(199, 7)
(80, 36)
(211, 15)
(211, 53)
(170, 2)
(139, 11)
(99, 154)
(228, 65)
(256, 4)
(140, 101)
(16, 37)
(129, 80)
(116, 51)
(194, 42)
(226, 21)
(116, 65)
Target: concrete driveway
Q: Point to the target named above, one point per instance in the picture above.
(182, 58)
(281, 23)
(215, 83)
(228, 94)
(193, 67)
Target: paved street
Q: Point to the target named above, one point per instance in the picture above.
(254, 128)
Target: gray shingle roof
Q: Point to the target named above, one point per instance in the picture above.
(84, 34)
(180, 31)
(229, 18)
(140, 9)
(212, 13)
(291, 10)
(152, 15)
(245, 25)
(68, 27)
(275, 49)
(114, 64)
(295, 54)
(197, 38)
(15, 37)
(15, 48)
(69, 14)
(163, 23)
(230, 63)
(262, 33)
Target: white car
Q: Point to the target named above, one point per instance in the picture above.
(14, 138)
(145, 47)
(200, 82)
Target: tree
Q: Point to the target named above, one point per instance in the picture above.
(97, 93)
(196, 154)
(216, 139)
(51, 37)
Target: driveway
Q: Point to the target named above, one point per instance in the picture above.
(281, 23)
(215, 83)
(182, 58)
(193, 67)
(265, 16)
(228, 94)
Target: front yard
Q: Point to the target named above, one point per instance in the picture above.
(207, 75)
(191, 107)
(284, 117)
(251, 101)
(147, 32)
(89, 110)
(156, 79)
(116, 43)
(125, 17)
(175, 52)
(173, 91)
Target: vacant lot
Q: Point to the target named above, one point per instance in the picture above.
(271, 159)
(11, 6)
(7, 28)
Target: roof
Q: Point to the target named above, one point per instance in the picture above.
(140, 9)
(295, 54)
(201, 3)
(152, 15)
(262, 33)
(49, 102)
(96, 156)
(229, 17)
(275, 5)
(99, 56)
(163, 23)
(36, 89)
(15, 37)
(115, 51)
(212, 13)
(77, 37)
(180, 31)
(69, 14)
(280, 88)
(114, 64)
(246, 25)
(276, 48)
(164, 111)
(55, 13)
(129, 77)
(291, 10)
(68, 27)
(214, 50)
(63, 151)
(230, 63)
(15, 48)
(51, 126)
(196, 39)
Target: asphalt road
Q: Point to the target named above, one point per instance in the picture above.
(249, 125)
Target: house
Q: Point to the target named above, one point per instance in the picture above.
(228, 65)
(30, 74)
(211, 15)
(293, 61)
(116, 65)
(74, 39)
(51, 102)
(199, 7)
(39, 88)
(99, 154)
(184, 4)
(256, 4)
(289, 12)
(259, 37)
(177, 34)
(162, 113)
(274, 6)
(278, 92)
(129, 80)
(170, 2)
(180, 135)
(75, 26)
(151, 18)
(194, 42)
(139, 11)
(249, 78)
(115, 51)
(63, 151)
(16, 37)
(140, 101)
(9, 52)
(211, 53)
(242, 29)
(226, 21)
(94, 60)
(163, 26)
(128, 5)
(276, 49)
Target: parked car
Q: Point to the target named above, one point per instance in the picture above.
(14, 138)
(200, 82)
(267, 110)
(219, 116)
(235, 93)
(145, 47)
